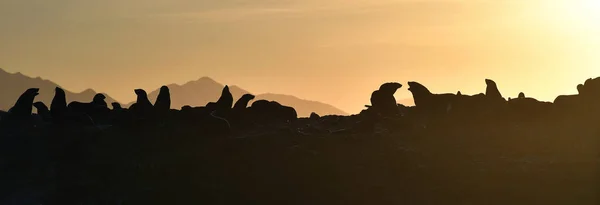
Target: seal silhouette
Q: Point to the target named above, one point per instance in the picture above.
(163, 101)
(23, 108)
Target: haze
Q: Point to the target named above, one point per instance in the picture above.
(333, 51)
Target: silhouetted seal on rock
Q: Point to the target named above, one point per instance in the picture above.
(99, 100)
(142, 104)
(239, 115)
(163, 101)
(116, 106)
(58, 108)
(225, 102)
(264, 110)
(43, 111)
(24, 106)
(521, 95)
(242, 103)
(569, 103)
(579, 88)
(98, 105)
(492, 92)
(314, 115)
(425, 101)
(383, 100)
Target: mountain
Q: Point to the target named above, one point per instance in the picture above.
(12, 85)
(194, 93)
(205, 90)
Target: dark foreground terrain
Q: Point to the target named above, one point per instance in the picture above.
(448, 149)
(330, 160)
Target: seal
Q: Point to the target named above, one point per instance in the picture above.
(43, 111)
(58, 108)
(23, 108)
(163, 101)
(491, 91)
(116, 106)
(383, 100)
(242, 103)
(225, 101)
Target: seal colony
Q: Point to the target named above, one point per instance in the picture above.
(224, 112)
(443, 150)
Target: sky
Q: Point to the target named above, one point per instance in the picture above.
(333, 51)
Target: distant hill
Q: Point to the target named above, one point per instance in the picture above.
(205, 90)
(12, 85)
(194, 93)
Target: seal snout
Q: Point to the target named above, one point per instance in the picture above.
(34, 91)
(139, 91)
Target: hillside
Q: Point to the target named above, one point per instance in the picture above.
(205, 90)
(14, 84)
(194, 93)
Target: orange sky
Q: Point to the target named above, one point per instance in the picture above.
(334, 51)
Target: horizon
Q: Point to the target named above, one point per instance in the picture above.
(327, 51)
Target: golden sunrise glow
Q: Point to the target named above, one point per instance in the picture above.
(333, 51)
(573, 14)
(587, 12)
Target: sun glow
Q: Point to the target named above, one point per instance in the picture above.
(582, 14)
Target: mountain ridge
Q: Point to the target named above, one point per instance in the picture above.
(205, 89)
(194, 93)
(12, 85)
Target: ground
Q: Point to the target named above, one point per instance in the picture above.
(319, 161)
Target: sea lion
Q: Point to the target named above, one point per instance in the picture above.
(491, 91)
(242, 103)
(314, 115)
(116, 106)
(43, 111)
(98, 105)
(225, 102)
(521, 95)
(383, 100)
(163, 101)
(264, 110)
(58, 108)
(99, 100)
(24, 106)
(427, 101)
(580, 88)
(142, 103)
